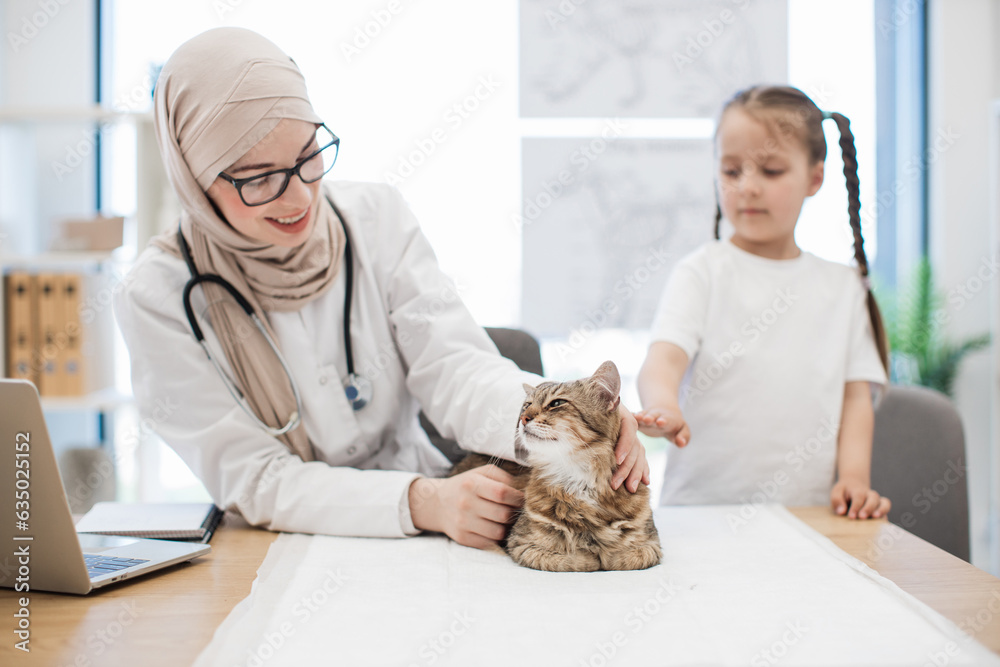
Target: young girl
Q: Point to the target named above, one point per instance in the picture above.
(780, 347)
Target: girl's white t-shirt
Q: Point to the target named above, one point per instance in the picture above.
(772, 344)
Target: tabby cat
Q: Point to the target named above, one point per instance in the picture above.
(572, 520)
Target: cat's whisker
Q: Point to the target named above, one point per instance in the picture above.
(496, 461)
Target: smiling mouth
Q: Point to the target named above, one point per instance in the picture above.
(291, 220)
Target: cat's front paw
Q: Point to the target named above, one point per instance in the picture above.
(635, 558)
(549, 561)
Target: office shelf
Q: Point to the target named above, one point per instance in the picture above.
(102, 400)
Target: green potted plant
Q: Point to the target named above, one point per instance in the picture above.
(919, 353)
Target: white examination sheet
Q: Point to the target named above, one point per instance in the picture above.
(768, 592)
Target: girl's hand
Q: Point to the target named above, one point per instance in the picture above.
(664, 423)
(858, 501)
(630, 455)
(474, 508)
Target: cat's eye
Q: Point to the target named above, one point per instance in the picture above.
(556, 403)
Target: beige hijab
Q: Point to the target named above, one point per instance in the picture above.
(218, 95)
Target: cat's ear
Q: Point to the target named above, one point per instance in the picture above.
(528, 389)
(608, 383)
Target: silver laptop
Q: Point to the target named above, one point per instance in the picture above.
(43, 551)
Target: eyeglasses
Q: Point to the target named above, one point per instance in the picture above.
(267, 187)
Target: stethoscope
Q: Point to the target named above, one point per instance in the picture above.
(357, 388)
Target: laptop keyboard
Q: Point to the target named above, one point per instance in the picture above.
(98, 565)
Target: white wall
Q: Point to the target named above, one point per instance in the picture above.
(964, 79)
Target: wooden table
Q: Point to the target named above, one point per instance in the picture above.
(168, 618)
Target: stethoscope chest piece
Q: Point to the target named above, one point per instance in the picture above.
(358, 389)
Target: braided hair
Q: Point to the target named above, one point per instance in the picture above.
(787, 111)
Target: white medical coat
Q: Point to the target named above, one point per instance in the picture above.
(412, 337)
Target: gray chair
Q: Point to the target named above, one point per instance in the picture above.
(918, 462)
(520, 347)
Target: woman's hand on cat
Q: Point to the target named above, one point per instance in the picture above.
(630, 455)
(664, 423)
(473, 508)
(857, 500)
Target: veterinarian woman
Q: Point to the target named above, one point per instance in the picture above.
(319, 433)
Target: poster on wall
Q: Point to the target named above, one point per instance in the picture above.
(603, 223)
(646, 58)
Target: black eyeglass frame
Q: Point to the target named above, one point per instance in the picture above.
(238, 183)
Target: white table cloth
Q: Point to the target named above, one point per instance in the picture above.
(770, 592)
